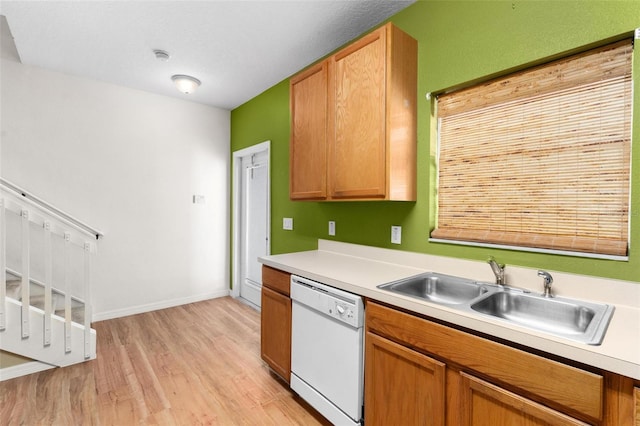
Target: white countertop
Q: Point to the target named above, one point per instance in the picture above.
(360, 269)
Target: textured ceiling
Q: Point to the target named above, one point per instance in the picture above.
(237, 49)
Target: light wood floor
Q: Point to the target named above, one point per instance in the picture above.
(197, 364)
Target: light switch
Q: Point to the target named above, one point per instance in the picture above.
(332, 228)
(287, 223)
(396, 234)
(198, 199)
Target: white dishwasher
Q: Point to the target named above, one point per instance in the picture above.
(327, 350)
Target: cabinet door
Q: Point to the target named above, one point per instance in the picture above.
(357, 156)
(275, 336)
(636, 397)
(402, 386)
(308, 142)
(485, 404)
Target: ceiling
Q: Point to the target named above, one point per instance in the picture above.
(238, 49)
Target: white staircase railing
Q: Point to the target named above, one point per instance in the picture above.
(50, 254)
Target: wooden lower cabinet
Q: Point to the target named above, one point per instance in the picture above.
(636, 398)
(421, 372)
(391, 369)
(275, 321)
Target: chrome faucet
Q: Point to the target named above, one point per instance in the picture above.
(498, 270)
(547, 281)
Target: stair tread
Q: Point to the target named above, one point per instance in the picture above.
(77, 314)
(77, 308)
(13, 289)
(55, 352)
(36, 292)
(36, 298)
(11, 277)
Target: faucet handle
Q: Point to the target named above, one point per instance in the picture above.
(492, 259)
(548, 279)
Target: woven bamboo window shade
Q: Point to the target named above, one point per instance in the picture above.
(540, 158)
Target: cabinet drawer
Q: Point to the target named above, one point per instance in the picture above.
(276, 280)
(558, 385)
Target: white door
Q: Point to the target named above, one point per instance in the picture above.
(251, 204)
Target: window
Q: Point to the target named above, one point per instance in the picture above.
(540, 158)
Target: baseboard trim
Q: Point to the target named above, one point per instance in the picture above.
(140, 309)
(23, 369)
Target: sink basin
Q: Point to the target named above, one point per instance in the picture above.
(572, 319)
(439, 288)
(575, 320)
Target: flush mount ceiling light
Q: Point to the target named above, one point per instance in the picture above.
(185, 83)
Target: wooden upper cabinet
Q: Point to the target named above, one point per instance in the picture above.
(357, 142)
(354, 115)
(308, 147)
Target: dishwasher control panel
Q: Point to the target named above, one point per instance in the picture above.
(336, 303)
(342, 310)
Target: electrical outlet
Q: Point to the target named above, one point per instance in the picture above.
(332, 228)
(396, 234)
(287, 223)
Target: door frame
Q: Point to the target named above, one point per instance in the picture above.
(236, 200)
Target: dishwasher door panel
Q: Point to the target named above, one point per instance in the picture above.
(327, 355)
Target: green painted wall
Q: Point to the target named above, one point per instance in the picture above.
(459, 42)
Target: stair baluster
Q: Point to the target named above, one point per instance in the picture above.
(48, 266)
(26, 282)
(67, 292)
(3, 266)
(87, 296)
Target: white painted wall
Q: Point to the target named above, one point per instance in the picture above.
(127, 162)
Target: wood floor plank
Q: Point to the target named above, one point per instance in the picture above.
(196, 364)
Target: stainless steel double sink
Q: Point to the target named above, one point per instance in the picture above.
(572, 319)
